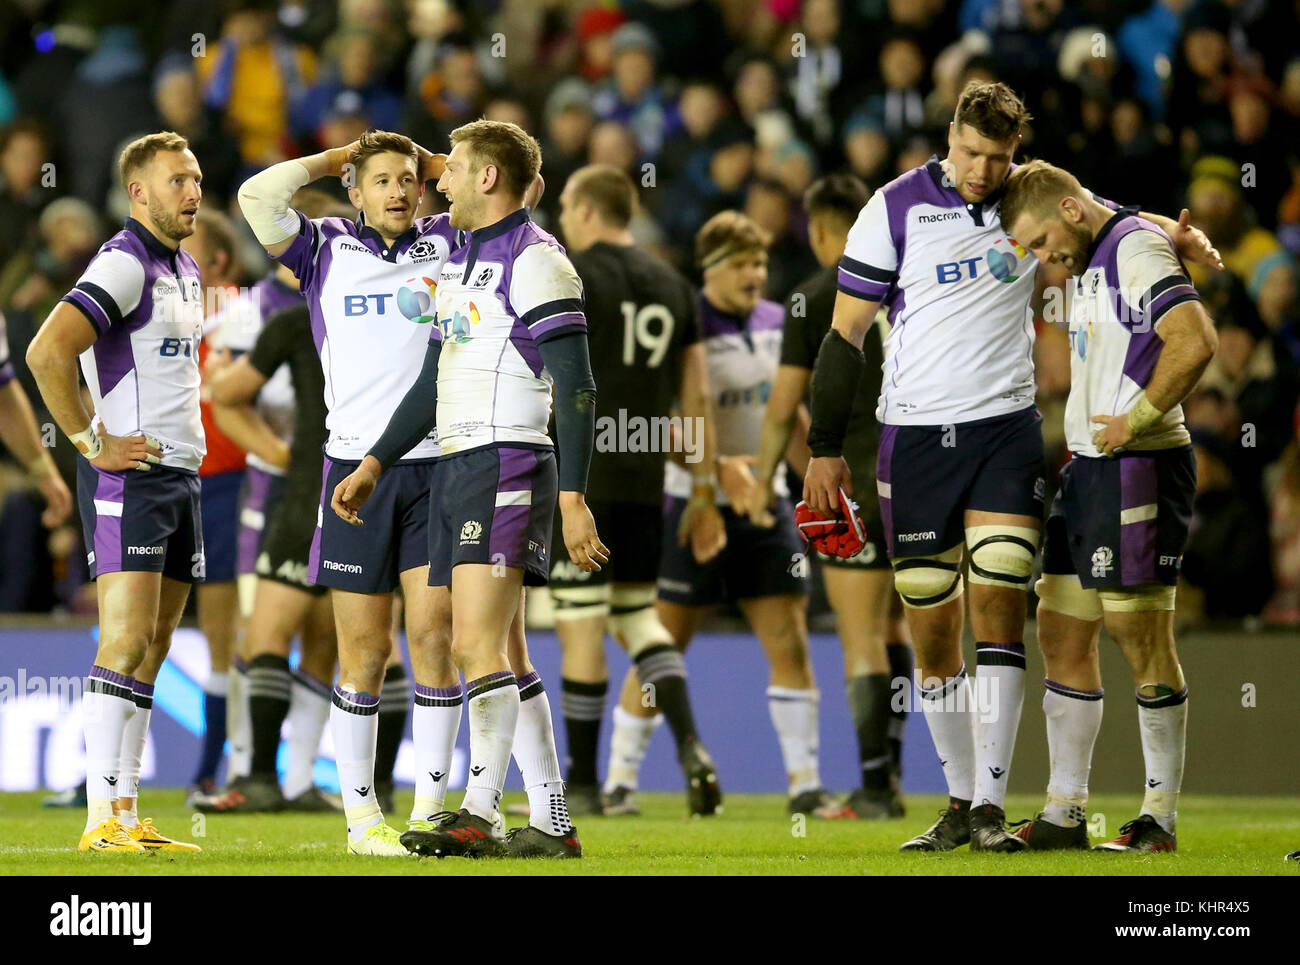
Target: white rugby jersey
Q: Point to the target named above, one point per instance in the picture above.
(371, 309)
(958, 289)
(146, 303)
(743, 356)
(236, 327)
(1134, 277)
(510, 288)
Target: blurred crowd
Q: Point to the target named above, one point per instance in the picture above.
(709, 105)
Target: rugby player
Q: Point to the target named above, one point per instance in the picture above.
(861, 588)
(1139, 340)
(757, 569)
(960, 467)
(509, 326)
(221, 477)
(369, 284)
(283, 434)
(645, 354)
(135, 320)
(22, 437)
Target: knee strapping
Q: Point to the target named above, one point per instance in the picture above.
(1140, 599)
(929, 581)
(1063, 593)
(1002, 555)
(580, 602)
(638, 628)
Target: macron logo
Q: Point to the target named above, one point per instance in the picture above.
(340, 567)
(932, 218)
(145, 550)
(133, 919)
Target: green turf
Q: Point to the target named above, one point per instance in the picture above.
(1217, 836)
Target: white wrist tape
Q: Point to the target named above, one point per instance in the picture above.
(264, 199)
(87, 437)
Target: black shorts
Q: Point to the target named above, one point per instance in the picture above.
(1122, 522)
(928, 476)
(632, 533)
(287, 539)
(219, 497)
(873, 555)
(493, 505)
(142, 521)
(757, 561)
(394, 539)
(260, 496)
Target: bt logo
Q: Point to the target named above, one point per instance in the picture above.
(182, 347)
(360, 304)
(1001, 261)
(951, 271)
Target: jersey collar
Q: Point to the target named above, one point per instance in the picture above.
(975, 209)
(1106, 229)
(366, 233)
(150, 240)
(511, 221)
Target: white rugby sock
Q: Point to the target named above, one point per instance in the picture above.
(239, 722)
(108, 702)
(794, 715)
(627, 748)
(435, 722)
(534, 751)
(1162, 720)
(354, 724)
(493, 708)
(309, 709)
(1073, 722)
(949, 713)
(134, 736)
(1000, 697)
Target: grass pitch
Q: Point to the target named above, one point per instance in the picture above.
(1217, 836)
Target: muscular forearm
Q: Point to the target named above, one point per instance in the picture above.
(56, 377)
(1179, 368)
(248, 430)
(697, 409)
(796, 449)
(18, 429)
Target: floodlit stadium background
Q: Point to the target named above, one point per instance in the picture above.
(709, 104)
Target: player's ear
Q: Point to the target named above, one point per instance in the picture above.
(491, 175)
(354, 195)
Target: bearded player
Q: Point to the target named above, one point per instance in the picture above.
(134, 319)
(363, 281)
(959, 474)
(510, 326)
(1139, 340)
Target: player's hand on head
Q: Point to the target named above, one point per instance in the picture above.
(825, 477)
(351, 494)
(118, 453)
(431, 165)
(580, 537)
(1193, 244)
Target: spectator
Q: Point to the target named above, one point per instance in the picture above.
(452, 94)
(1198, 101)
(898, 111)
(352, 83)
(176, 98)
(69, 233)
(24, 150)
(255, 79)
(631, 96)
(789, 260)
(595, 28)
(569, 121)
(820, 77)
(1146, 41)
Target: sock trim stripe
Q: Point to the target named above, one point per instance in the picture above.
(945, 688)
(1065, 691)
(1155, 703)
(111, 677)
(355, 703)
(990, 657)
(493, 681)
(575, 707)
(95, 685)
(654, 651)
(444, 692)
(580, 689)
(143, 701)
(423, 701)
(528, 679)
(527, 691)
(666, 663)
